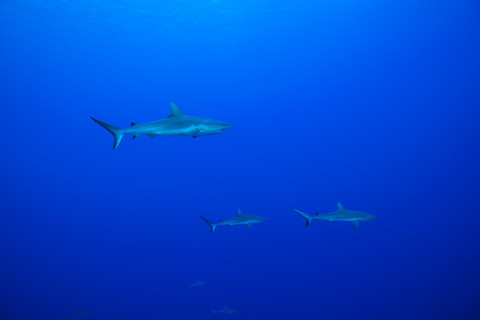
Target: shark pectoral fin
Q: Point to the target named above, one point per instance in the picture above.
(249, 225)
(356, 224)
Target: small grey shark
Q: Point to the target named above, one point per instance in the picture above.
(341, 214)
(225, 310)
(80, 314)
(197, 283)
(176, 124)
(239, 219)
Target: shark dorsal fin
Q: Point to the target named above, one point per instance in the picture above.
(132, 124)
(174, 110)
(239, 212)
(340, 206)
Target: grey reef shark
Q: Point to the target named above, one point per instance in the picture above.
(197, 283)
(225, 310)
(342, 214)
(239, 219)
(176, 124)
(80, 314)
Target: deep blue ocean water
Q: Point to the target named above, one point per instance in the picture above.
(375, 104)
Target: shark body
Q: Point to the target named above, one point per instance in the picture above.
(225, 310)
(197, 283)
(176, 124)
(341, 214)
(80, 314)
(239, 219)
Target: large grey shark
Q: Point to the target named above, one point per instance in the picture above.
(225, 310)
(341, 214)
(239, 219)
(176, 124)
(197, 283)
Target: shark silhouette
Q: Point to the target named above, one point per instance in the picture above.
(80, 314)
(176, 124)
(197, 283)
(239, 219)
(341, 214)
(225, 310)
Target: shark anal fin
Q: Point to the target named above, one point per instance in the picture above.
(151, 135)
(249, 225)
(356, 224)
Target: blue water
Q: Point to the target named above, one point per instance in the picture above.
(374, 103)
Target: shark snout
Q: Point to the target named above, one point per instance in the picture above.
(226, 126)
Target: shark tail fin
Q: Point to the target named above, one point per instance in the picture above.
(306, 216)
(210, 223)
(116, 131)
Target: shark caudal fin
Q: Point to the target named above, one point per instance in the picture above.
(306, 216)
(116, 131)
(210, 223)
